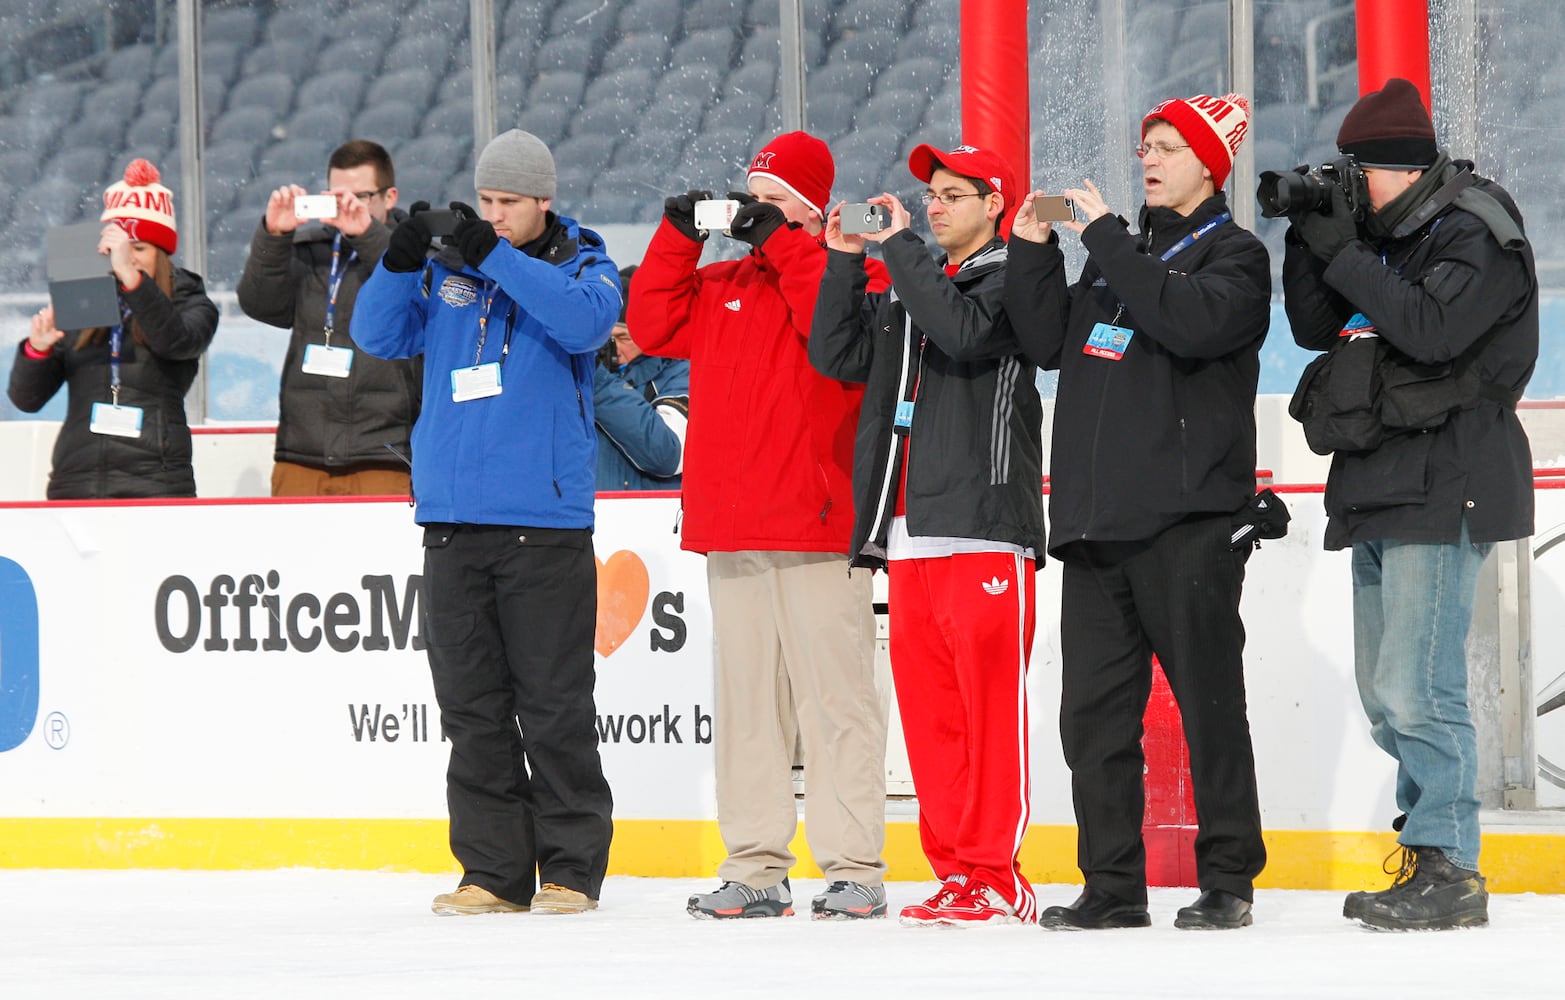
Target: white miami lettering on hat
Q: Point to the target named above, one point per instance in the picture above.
(964, 149)
(763, 161)
(146, 200)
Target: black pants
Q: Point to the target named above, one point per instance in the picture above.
(509, 619)
(1176, 596)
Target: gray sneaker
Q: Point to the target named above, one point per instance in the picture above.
(849, 901)
(735, 899)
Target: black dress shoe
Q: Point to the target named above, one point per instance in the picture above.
(1095, 910)
(1214, 910)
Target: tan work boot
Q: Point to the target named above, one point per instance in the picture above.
(470, 899)
(554, 898)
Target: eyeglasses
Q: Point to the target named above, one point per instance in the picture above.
(947, 199)
(1162, 149)
(370, 195)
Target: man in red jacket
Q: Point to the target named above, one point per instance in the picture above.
(768, 498)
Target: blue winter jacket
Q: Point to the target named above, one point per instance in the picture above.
(526, 456)
(637, 450)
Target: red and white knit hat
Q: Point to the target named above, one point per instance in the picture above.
(143, 207)
(802, 164)
(1213, 126)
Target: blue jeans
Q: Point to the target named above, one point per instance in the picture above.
(1412, 680)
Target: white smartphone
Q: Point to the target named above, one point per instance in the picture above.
(315, 206)
(715, 214)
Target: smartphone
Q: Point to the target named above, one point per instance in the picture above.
(441, 221)
(863, 218)
(1056, 208)
(315, 206)
(715, 213)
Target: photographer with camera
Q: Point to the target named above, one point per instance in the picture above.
(947, 473)
(1157, 345)
(641, 405)
(768, 499)
(508, 317)
(345, 417)
(1400, 260)
(125, 435)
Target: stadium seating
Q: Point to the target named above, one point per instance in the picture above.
(637, 97)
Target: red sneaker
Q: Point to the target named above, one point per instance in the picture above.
(922, 914)
(978, 904)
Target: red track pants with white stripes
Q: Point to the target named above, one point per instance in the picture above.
(961, 633)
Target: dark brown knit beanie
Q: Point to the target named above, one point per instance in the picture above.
(1389, 128)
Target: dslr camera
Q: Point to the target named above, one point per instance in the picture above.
(1302, 190)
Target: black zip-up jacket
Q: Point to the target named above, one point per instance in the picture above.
(975, 454)
(1447, 292)
(155, 377)
(325, 422)
(1168, 430)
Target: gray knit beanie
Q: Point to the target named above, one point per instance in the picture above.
(517, 162)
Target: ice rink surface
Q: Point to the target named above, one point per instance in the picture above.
(303, 934)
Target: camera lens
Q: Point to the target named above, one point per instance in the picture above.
(1288, 192)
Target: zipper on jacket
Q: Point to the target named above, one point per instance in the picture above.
(824, 510)
(887, 502)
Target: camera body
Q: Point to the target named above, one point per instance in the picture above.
(864, 218)
(315, 206)
(1295, 192)
(715, 214)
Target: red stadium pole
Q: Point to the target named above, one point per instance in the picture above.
(1393, 40)
(995, 105)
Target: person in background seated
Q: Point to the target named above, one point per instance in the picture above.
(124, 434)
(641, 404)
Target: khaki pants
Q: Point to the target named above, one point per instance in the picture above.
(794, 637)
(292, 480)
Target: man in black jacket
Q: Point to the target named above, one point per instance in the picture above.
(1440, 269)
(344, 417)
(1158, 346)
(947, 492)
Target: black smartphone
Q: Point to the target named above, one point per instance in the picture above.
(441, 221)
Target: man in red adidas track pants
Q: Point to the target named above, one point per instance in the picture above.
(946, 481)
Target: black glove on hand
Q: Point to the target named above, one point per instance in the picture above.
(756, 221)
(1326, 235)
(409, 242)
(474, 238)
(680, 211)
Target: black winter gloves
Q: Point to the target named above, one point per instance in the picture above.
(680, 211)
(409, 242)
(1326, 235)
(474, 238)
(755, 221)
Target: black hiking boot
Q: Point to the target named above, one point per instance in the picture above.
(1438, 896)
(1353, 905)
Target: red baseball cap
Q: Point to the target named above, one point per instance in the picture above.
(971, 161)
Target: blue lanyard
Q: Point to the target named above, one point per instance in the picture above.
(492, 288)
(116, 337)
(1184, 244)
(339, 270)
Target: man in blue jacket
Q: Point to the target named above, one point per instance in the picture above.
(641, 404)
(508, 316)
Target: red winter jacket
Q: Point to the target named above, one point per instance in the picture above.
(769, 448)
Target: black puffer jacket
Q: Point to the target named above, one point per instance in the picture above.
(325, 422)
(1447, 292)
(974, 457)
(155, 377)
(1168, 430)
